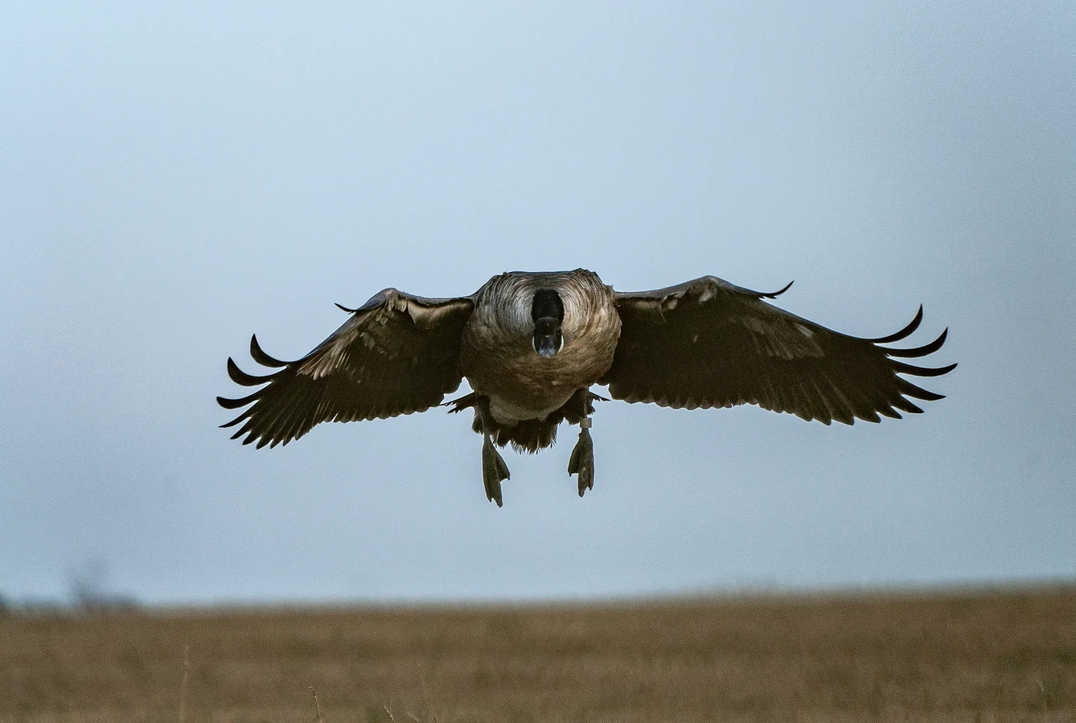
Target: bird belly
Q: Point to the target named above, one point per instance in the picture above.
(508, 411)
(522, 385)
(526, 386)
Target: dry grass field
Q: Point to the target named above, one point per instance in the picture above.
(974, 656)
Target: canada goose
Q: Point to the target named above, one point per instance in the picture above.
(532, 344)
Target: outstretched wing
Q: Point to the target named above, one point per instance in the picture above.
(709, 343)
(397, 354)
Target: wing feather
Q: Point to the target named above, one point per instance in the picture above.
(397, 354)
(261, 357)
(709, 343)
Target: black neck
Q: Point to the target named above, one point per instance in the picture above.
(547, 305)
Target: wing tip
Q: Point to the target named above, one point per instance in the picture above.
(240, 377)
(775, 294)
(920, 351)
(903, 333)
(917, 371)
(259, 355)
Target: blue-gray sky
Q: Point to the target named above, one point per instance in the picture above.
(175, 178)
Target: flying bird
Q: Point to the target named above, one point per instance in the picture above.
(531, 346)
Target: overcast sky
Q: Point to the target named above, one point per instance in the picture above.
(175, 177)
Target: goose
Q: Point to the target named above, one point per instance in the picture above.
(531, 346)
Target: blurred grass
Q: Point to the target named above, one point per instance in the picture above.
(956, 656)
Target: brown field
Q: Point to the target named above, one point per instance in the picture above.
(956, 656)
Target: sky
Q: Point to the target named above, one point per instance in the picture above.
(176, 177)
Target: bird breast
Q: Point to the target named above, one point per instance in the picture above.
(497, 356)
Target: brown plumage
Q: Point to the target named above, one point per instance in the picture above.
(532, 344)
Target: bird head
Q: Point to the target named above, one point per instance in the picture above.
(547, 312)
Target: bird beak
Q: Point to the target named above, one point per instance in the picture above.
(547, 345)
(547, 338)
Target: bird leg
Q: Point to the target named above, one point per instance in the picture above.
(494, 470)
(582, 459)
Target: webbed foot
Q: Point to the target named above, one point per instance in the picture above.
(494, 470)
(582, 460)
